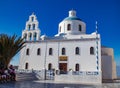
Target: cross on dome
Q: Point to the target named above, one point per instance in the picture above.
(33, 13)
(72, 13)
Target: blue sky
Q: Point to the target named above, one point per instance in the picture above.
(15, 13)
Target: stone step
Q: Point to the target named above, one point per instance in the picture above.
(25, 76)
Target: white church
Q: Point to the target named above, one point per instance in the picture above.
(72, 54)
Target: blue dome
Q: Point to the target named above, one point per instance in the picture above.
(72, 18)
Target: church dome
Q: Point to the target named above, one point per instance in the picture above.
(72, 25)
(72, 18)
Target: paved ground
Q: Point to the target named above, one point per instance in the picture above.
(50, 84)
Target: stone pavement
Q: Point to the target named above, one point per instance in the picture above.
(51, 84)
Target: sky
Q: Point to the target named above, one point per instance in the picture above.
(15, 13)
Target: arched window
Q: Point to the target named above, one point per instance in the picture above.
(49, 66)
(80, 28)
(30, 36)
(32, 18)
(91, 50)
(77, 67)
(33, 26)
(63, 51)
(50, 51)
(27, 52)
(38, 51)
(69, 27)
(77, 51)
(29, 27)
(26, 65)
(35, 36)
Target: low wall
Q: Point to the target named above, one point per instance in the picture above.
(81, 78)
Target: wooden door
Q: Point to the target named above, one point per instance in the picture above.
(63, 68)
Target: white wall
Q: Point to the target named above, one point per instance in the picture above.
(86, 61)
(74, 27)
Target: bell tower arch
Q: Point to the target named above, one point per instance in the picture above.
(31, 31)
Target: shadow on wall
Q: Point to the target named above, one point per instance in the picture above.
(118, 71)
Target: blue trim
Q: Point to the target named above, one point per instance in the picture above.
(72, 18)
(97, 68)
(97, 57)
(97, 62)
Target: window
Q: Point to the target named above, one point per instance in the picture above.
(49, 66)
(35, 35)
(27, 52)
(77, 67)
(26, 65)
(29, 27)
(33, 26)
(50, 51)
(68, 27)
(80, 28)
(63, 51)
(30, 36)
(32, 18)
(77, 51)
(38, 51)
(91, 50)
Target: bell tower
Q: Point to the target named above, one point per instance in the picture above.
(31, 31)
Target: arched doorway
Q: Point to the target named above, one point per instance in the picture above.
(49, 66)
(26, 65)
(77, 67)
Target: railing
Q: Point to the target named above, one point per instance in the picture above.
(50, 74)
(80, 76)
(78, 73)
(23, 71)
(84, 73)
(40, 74)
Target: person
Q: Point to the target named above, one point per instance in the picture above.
(7, 74)
(3, 76)
(12, 73)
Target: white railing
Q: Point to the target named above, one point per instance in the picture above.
(80, 77)
(23, 71)
(85, 73)
(40, 74)
(50, 74)
(78, 73)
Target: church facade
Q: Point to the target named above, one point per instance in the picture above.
(71, 49)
